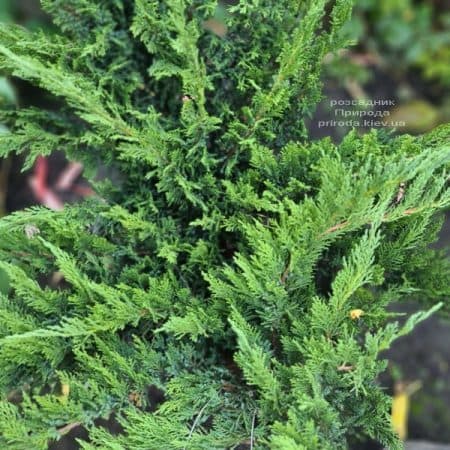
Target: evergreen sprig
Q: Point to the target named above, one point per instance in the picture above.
(227, 288)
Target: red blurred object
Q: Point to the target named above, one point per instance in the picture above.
(41, 190)
(50, 195)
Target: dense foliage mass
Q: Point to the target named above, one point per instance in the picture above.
(227, 288)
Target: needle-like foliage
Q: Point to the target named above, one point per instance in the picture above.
(227, 287)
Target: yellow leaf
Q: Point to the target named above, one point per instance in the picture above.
(65, 392)
(356, 313)
(400, 406)
(400, 410)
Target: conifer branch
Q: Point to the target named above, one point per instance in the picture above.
(186, 286)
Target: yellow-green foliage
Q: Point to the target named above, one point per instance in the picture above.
(208, 289)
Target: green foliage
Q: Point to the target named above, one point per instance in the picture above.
(5, 10)
(415, 33)
(207, 292)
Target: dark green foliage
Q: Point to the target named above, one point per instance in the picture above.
(218, 271)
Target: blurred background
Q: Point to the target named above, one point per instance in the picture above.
(397, 74)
